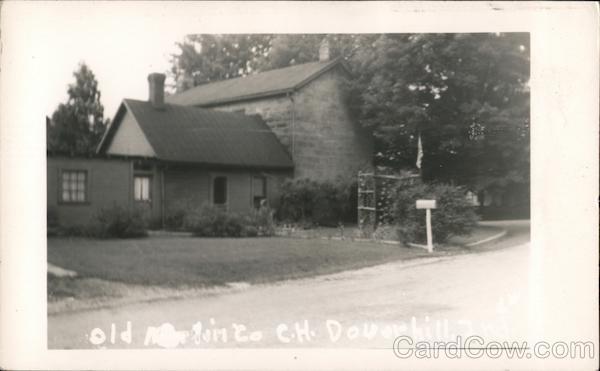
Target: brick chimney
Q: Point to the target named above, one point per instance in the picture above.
(156, 85)
(324, 51)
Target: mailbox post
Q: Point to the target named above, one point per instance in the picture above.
(427, 205)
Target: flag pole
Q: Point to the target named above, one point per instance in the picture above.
(419, 155)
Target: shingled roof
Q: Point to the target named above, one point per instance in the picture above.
(202, 136)
(269, 83)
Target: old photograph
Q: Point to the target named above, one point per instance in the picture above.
(298, 185)
(303, 190)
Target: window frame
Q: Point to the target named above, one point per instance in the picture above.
(86, 186)
(150, 193)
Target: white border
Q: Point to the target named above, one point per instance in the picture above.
(564, 80)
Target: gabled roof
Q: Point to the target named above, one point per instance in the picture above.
(202, 136)
(268, 83)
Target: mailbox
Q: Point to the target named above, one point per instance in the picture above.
(426, 204)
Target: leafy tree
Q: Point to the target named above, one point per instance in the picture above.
(466, 95)
(77, 126)
(289, 49)
(208, 58)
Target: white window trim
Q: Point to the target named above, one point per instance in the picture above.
(87, 183)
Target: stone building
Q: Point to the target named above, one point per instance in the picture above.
(304, 106)
(228, 143)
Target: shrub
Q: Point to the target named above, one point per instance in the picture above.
(174, 219)
(453, 215)
(324, 203)
(155, 223)
(212, 221)
(175, 216)
(77, 230)
(259, 223)
(119, 222)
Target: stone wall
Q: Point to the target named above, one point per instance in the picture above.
(315, 126)
(328, 143)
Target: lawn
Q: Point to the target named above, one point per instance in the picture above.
(183, 262)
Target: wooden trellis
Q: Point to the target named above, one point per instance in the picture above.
(375, 198)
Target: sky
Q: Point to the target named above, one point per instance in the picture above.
(120, 50)
(122, 42)
(121, 68)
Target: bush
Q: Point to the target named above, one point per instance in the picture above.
(453, 215)
(212, 221)
(259, 223)
(174, 219)
(155, 223)
(119, 222)
(77, 230)
(310, 202)
(176, 214)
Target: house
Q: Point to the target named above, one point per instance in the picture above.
(304, 106)
(228, 143)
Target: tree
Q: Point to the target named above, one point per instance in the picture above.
(77, 126)
(465, 94)
(207, 58)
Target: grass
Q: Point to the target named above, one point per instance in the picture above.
(155, 267)
(179, 262)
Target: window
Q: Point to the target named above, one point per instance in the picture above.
(141, 188)
(259, 190)
(74, 186)
(220, 190)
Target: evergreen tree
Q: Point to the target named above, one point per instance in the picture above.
(77, 126)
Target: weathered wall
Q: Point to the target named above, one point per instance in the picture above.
(328, 143)
(315, 126)
(192, 186)
(109, 183)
